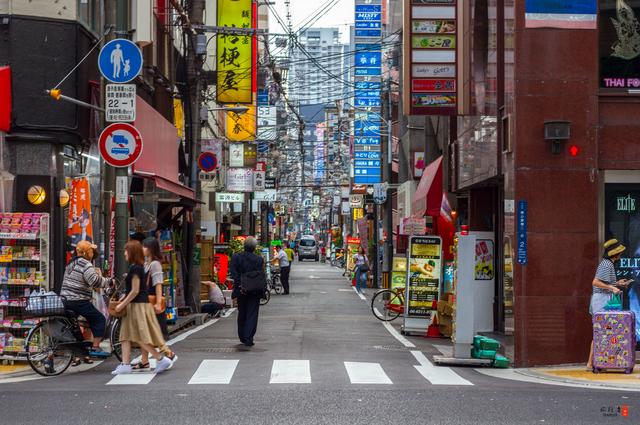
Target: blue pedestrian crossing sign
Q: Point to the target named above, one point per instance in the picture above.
(120, 61)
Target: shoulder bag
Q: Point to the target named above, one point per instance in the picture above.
(152, 298)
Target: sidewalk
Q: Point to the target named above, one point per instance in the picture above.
(577, 374)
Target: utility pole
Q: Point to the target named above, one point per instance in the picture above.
(121, 174)
(195, 13)
(388, 217)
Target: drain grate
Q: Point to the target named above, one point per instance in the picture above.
(390, 347)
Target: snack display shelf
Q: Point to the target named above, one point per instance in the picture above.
(15, 260)
(20, 283)
(24, 267)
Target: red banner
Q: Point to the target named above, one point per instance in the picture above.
(80, 226)
(427, 86)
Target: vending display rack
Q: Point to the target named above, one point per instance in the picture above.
(24, 268)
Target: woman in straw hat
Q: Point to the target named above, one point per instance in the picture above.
(605, 283)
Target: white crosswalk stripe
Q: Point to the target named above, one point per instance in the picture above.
(214, 372)
(290, 372)
(437, 375)
(140, 378)
(222, 371)
(366, 373)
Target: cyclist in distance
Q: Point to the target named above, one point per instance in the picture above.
(79, 281)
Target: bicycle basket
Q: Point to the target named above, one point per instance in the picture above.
(44, 305)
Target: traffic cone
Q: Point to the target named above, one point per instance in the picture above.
(432, 330)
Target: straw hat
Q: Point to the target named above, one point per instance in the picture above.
(612, 247)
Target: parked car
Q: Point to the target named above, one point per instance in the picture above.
(308, 249)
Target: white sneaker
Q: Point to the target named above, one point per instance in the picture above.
(173, 360)
(122, 369)
(162, 365)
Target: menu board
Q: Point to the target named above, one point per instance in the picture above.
(398, 275)
(423, 275)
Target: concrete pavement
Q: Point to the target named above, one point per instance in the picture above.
(320, 357)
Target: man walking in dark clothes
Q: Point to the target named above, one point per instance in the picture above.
(248, 304)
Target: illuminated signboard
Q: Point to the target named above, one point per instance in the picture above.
(235, 53)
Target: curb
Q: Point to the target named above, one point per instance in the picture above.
(599, 384)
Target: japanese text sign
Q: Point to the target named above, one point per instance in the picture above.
(235, 52)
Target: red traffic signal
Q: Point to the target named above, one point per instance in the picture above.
(574, 150)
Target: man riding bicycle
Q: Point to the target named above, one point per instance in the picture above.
(80, 279)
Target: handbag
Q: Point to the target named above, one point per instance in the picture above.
(615, 303)
(152, 298)
(113, 303)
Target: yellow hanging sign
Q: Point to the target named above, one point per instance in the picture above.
(241, 127)
(235, 58)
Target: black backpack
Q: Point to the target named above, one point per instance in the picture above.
(253, 282)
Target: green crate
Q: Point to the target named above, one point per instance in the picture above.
(483, 354)
(484, 343)
(501, 362)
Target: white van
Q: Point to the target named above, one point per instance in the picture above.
(308, 248)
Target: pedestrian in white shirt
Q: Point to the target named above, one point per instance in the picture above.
(216, 299)
(283, 260)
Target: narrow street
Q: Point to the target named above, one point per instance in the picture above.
(320, 357)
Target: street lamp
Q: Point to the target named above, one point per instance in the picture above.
(238, 109)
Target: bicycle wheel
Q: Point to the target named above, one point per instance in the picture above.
(116, 345)
(386, 305)
(114, 339)
(277, 285)
(45, 355)
(265, 298)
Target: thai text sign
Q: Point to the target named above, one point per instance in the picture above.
(235, 52)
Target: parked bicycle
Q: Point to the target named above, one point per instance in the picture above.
(275, 283)
(388, 304)
(52, 344)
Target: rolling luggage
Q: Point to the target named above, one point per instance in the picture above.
(614, 340)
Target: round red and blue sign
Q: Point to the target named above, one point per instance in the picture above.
(120, 144)
(207, 162)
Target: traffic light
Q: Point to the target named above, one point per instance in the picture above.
(574, 150)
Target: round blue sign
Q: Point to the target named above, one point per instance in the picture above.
(207, 162)
(120, 61)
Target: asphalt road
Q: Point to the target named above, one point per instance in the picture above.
(320, 358)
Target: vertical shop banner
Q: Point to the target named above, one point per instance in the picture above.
(430, 63)
(522, 232)
(367, 94)
(80, 225)
(423, 275)
(235, 60)
(241, 127)
(214, 146)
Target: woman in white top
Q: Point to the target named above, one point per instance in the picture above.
(155, 277)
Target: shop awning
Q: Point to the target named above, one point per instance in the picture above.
(428, 196)
(159, 159)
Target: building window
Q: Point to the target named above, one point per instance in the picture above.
(619, 32)
(90, 14)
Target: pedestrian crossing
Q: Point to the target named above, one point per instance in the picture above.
(223, 371)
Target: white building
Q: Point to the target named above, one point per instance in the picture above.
(317, 73)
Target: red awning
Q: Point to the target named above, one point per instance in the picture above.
(159, 158)
(427, 199)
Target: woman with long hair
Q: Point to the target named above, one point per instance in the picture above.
(139, 325)
(153, 280)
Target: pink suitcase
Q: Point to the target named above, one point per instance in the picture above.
(614, 340)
